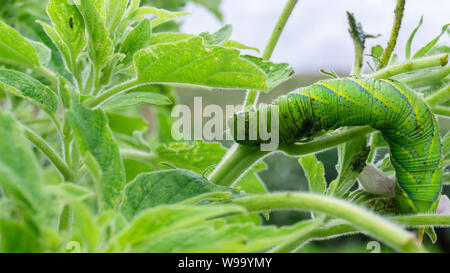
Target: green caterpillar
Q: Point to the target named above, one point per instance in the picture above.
(404, 120)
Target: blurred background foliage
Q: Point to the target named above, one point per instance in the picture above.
(283, 173)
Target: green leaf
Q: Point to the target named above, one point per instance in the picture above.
(14, 49)
(410, 39)
(315, 174)
(114, 10)
(100, 152)
(70, 28)
(219, 37)
(237, 45)
(352, 159)
(18, 238)
(159, 15)
(136, 98)
(100, 45)
(156, 222)
(43, 52)
(196, 156)
(137, 39)
(59, 43)
(164, 187)
(250, 183)
(276, 73)
(24, 86)
(71, 193)
(377, 52)
(86, 231)
(169, 37)
(228, 238)
(21, 179)
(423, 51)
(191, 62)
(126, 125)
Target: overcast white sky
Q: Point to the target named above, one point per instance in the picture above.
(316, 35)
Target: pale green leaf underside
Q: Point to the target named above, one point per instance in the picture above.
(191, 62)
(156, 222)
(136, 39)
(100, 152)
(164, 187)
(315, 174)
(276, 73)
(136, 98)
(22, 85)
(15, 49)
(159, 15)
(20, 174)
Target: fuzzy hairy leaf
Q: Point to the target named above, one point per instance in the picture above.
(149, 190)
(100, 45)
(126, 125)
(352, 159)
(17, 237)
(136, 98)
(191, 62)
(114, 9)
(69, 25)
(21, 179)
(225, 238)
(315, 174)
(156, 222)
(24, 86)
(137, 39)
(15, 49)
(100, 152)
(159, 15)
(276, 73)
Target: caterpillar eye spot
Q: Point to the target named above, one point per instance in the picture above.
(71, 22)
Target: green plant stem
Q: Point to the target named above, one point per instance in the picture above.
(426, 79)
(94, 102)
(358, 217)
(439, 97)
(416, 64)
(441, 110)
(140, 156)
(48, 74)
(252, 95)
(51, 154)
(422, 220)
(232, 165)
(298, 238)
(327, 141)
(399, 10)
(238, 160)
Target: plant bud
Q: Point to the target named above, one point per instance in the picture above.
(375, 181)
(444, 205)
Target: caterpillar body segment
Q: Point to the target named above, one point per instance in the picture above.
(404, 120)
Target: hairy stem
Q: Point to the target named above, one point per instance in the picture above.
(235, 164)
(252, 95)
(399, 9)
(441, 96)
(441, 110)
(94, 102)
(373, 224)
(416, 64)
(428, 78)
(51, 154)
